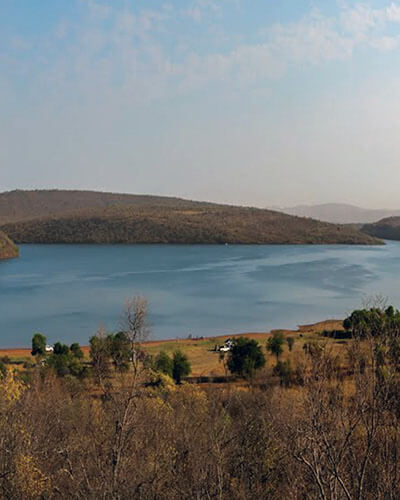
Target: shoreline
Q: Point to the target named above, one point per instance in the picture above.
(301, 329)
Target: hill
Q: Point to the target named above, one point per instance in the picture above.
(7, 248)
(21, 205)
(68, 217)
(340, 213)
(388, 229)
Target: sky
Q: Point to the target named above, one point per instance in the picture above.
(253, 102)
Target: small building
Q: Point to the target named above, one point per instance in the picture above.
(49, 348)
(227, 345)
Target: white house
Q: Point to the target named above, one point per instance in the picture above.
(227, 346)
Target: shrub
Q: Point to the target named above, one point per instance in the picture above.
(164, 364)
(181, 366)
(246, 357)
(275, 345)
(38, 345)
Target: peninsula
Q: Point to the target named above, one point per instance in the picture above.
(57, 216)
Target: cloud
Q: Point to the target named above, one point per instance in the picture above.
(385, 43)
(363, 19)
(314, 39)
(201, 9)
(117, 53)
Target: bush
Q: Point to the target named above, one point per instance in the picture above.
(275, 345)
(246, 357)
(120, 350)
(38, 345)
(181, 366)
(164, 364)
(285, 372)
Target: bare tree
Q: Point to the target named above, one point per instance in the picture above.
(377, 301)
(134, 324)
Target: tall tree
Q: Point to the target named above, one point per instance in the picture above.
(181, 366)
(38, 345)
(275, 345)
(246, 357)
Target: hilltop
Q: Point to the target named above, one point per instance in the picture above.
(92, 217)
(340, 213)
(22, 205)
(8, 249)
(388, 229)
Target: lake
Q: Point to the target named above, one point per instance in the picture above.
(68, 291)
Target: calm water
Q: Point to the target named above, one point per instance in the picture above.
(66, 292)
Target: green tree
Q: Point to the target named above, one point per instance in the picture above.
(60, 363)
(181, 366)
(246, 357)
(65, 360)
(290, 343)
(61, 349)
(76, 350)
(275, 345)
(164, 364)
(120, 350)
(38, 345)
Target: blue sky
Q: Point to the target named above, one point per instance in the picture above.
(252, 102)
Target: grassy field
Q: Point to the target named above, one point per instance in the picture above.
(204, 359)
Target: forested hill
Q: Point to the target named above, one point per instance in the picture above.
(7, 248)
(388, 228)
(90, 217)
(21, 205)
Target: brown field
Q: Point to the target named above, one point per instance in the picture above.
(205, 361)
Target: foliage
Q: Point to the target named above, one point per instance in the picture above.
(87, 217)
(11, 388)
(61, 349)
(285, 372)
(275, 345)
(38, 345)
(180, 366)
(290, 343)
(100, 356)
(76, 350)
(387, 229)
(120, 350)
(373, 322)
(246, 357)
(65, 360)
(336, 436)
(164, 364)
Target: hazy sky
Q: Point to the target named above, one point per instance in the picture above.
(264, 102)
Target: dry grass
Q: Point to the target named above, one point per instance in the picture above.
(205, 361)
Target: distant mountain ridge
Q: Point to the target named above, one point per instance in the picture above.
(57, 216)
(340, 213)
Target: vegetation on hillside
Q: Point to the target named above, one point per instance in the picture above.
(388, 229)
(8, 249)
(158, 220)
(321, 421)
(21, 205)
(373, 322)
